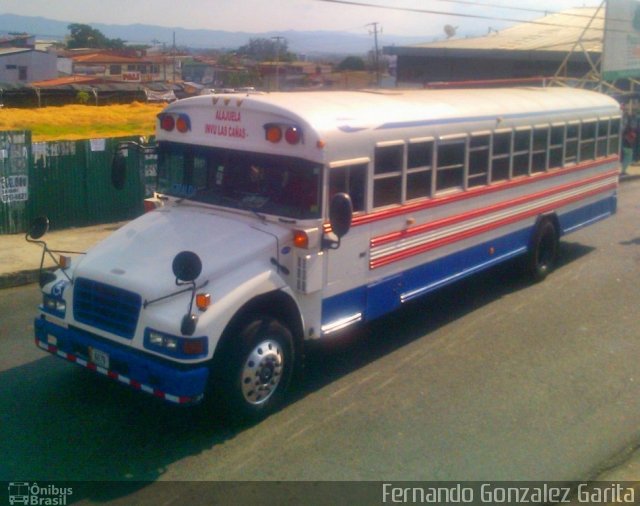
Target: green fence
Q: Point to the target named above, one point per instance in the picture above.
(68, 181)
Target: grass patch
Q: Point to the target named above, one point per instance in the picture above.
(72, 122)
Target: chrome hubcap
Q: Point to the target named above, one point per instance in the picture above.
(262, 372)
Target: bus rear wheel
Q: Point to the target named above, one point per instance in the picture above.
(255, 370)
(543, 252)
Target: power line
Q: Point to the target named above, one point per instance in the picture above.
(546, 12)
(444, 13)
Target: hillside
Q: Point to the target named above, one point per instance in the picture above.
(315, 42)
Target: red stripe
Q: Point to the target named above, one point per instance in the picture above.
(452, 220)
(476, 192)
(404, 254)
(111, 374)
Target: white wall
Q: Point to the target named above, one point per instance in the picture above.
(39, 66)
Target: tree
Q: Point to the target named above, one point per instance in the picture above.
(85, 36)
(352, 63)
(266, 50)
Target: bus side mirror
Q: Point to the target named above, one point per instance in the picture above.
(39, 227)
(119, 169)
(187, 266)
(340, 216)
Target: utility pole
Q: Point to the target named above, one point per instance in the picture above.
(173, 58)
(376, 54)
(278, 38)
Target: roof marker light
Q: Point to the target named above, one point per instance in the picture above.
(273, 133)
(293, 135)
(167, 122)
(183, 124)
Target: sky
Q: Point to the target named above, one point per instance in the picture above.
(283, 15)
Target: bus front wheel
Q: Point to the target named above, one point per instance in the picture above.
(255, 371)
(543, 252)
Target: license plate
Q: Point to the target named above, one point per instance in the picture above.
(98, 357)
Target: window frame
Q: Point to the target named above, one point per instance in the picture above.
(384, 176)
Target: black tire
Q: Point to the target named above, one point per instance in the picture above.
(253, 372)
(543, 252)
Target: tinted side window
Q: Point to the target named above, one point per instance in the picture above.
(351, 179)
(387, 178)
(419, 169)
(450, 164)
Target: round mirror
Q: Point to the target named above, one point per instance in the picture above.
(187, 266)
(38, 227)
(340, 213)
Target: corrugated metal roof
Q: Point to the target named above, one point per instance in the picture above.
(61, 81)
(555, 32)
(106, 59)
(14, 50)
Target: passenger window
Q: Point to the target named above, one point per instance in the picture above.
(539, 151)
(387, 178)
(450, 166)
(571, 144)
(352, 180)
(614, 136)
(521, 150)
(556, 146)
(588, 141)
(602, 137)
(419, 169)
(500, 157)
(478, 160)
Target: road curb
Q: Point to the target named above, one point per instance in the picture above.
(14, 279)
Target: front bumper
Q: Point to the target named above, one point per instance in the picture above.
(180, 384)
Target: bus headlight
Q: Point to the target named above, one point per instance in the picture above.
(162, 340)
(174, 346)
(54, 305)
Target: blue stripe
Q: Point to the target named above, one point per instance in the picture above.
(385, 295)
(187, 381)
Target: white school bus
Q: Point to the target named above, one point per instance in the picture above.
(287, 217)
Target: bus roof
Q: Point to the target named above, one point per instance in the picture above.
(378, 106)
(335, 115)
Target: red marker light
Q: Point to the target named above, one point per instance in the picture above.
(167, 122)
(183, 124)
(292, 135)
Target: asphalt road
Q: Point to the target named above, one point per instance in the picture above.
(492, 379)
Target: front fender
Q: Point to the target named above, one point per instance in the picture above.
(231, 293)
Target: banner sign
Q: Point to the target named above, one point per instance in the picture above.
(621, 50)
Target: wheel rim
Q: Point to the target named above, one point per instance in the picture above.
(262, 372)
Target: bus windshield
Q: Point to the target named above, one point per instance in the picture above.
(270, 184)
